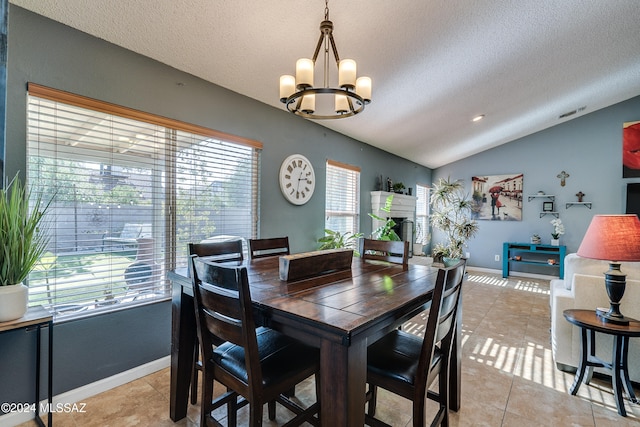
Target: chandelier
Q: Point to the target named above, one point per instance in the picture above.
(346, 100)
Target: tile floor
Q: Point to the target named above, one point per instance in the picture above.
(509, 378)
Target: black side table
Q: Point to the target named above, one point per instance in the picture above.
(37, 316)
(590, 323)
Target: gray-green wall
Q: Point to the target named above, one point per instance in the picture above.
(51, 54)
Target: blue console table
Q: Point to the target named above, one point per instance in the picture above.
(532, 254)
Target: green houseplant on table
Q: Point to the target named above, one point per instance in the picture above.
(337, 240)
(23, 239)
(452, 214)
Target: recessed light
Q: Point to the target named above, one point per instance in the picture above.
(478, 118)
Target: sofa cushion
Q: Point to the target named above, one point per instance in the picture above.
(573, 263)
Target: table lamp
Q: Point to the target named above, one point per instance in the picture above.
(613, 238)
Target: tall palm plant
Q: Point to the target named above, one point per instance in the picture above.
(23, 237)
(451, 213)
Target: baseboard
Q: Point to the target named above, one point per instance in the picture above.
(81, 393)
(483, 270)
(512, 273)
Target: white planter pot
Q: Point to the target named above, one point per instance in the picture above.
(417, 249)
(555, 242)
(13, 302)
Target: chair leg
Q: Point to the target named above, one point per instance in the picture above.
(373, 389)
(271, 407)
(194, 375)
(442, 397)
(444, 394)
(255, 414)
(205, 403)
(418, 413)
(232, 411)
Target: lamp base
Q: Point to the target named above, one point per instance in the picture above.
(610, 316)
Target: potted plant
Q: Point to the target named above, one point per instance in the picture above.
(398, 187)
(23, 240)
(385, 231)
(452, 214)
(558, 230)
(336, 240)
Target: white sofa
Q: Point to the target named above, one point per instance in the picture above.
(583, 287)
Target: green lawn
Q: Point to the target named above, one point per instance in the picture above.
(88, 277)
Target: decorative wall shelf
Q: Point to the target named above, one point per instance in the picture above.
(551, 197)
(556, 214)
(586, 204)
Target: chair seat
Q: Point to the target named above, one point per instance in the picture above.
(281, 357)
(396, 356)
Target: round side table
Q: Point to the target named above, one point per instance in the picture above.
(589, 323)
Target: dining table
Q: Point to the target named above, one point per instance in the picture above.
(341, 313)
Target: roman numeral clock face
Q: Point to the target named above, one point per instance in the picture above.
(297, 180)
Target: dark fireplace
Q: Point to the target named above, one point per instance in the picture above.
(404, 229)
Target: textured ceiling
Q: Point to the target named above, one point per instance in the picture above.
(434, 64)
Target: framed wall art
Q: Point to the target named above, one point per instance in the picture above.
(631, 149)
(497, 197)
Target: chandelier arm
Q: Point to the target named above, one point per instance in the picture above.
(350, 104)
(335, 49)
(318, 47)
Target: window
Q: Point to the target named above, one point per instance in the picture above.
(342, 207)
(129, 191)
(422, 214)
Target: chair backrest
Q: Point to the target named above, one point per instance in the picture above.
(224, 311)
(230, 250)
(260, 248)
(386, 250)
(441, 322)
(131, 231)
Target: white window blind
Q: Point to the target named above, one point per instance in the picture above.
(129, 191)
(342, 206)
(422, 214)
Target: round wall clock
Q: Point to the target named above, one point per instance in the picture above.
(297, 180)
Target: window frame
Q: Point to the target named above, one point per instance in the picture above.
(172, 131)
(423, 219)
(354, 213)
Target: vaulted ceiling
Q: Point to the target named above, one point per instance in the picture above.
(435, 64)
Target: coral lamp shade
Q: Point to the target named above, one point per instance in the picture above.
(612, 238)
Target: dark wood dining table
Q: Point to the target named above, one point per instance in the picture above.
(341, 313)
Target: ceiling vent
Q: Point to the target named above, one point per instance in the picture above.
(572, 112)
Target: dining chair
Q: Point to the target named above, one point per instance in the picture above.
(386, 250)
(230, 250)
(260, 248)
(407, 365)
(257, 364)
